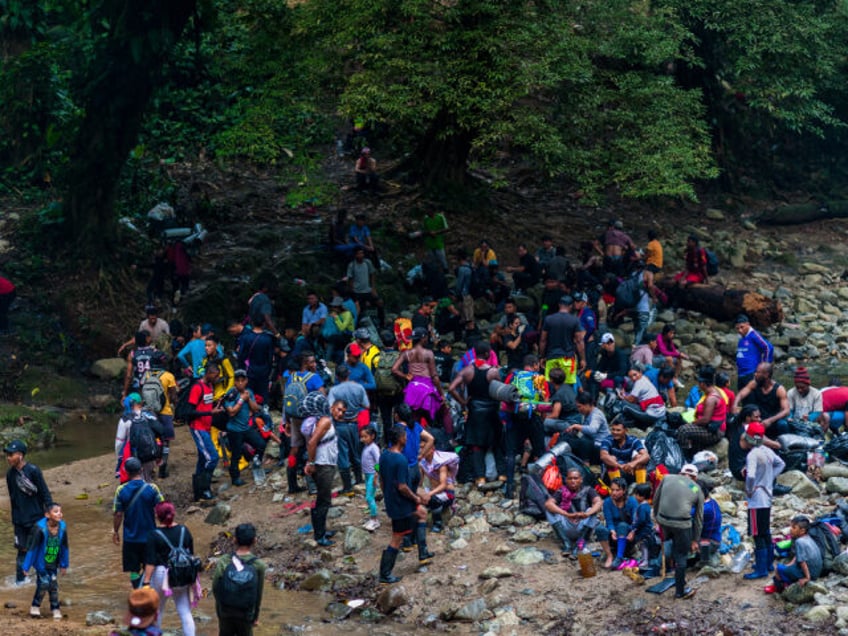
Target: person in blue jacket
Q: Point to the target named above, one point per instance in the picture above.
(751, 350)
(48, 554)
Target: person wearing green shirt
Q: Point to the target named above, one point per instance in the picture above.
(435, 228)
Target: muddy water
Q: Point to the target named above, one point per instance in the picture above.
(95, 580)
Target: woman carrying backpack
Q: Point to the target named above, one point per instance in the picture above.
(168, 571)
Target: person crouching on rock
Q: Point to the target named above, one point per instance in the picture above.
(572, 510)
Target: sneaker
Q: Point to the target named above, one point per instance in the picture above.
(57, 614)
(25, 581)
(687, 593)
(35, 611)
(349, 493)
(371, 525)
(324, 542)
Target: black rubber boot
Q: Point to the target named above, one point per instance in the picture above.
(387, 564)
(291, 476)
(559, 531)
(205, 485)
(357, 475)
(163, 467)
(347, 486)
(195, 487)
(437, 521)
(424, 555)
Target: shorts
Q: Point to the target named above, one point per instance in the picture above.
(297, 438)
(167, 422)
(466, 312)
(132, 555)
(653, 268)
(404, 525)
(568, 365)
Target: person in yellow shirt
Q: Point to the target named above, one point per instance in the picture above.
(484, 254)
(225, 382)
(166, 415)
(370, 351)
(653, 266)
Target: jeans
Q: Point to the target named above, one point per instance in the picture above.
(181, 600)
(581, 530)
(46, 581)
(371, 493)
(349, 452)
(237, 441)
(323, 476)
(789, 573)
(635, 414)
(207, 456)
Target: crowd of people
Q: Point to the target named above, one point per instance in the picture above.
(549, 381)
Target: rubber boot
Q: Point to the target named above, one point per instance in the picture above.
(195, 488)
(357, 475)
(760, 565)
(387, 564)
(424, 555)
(205, 485)
(347, 486)
(163, 467)
(680, 589)
(291, 476)
(770, 556)
(509, 489)
(437, 522)
(559, 531)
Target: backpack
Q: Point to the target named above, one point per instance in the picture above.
(237, 589)
(183, 567)
(143, 443)
(567, 461)
(479, 281)
(628, 292)
(825, 538)
(387, 382)
(183, 409)
(152, 392)
(402, 328)
(294, 394)
(523, 381)
(532, 497)
(712, 262)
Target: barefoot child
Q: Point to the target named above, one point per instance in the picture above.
(370, 462)
(48, 554)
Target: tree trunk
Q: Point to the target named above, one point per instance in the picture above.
(796, 214)
(725, 304)
(442, 158)
(124, 72)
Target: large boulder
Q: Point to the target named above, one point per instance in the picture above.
(219, 514)
(798, 595)
(355, 540)
(833, 469)
(801, 485)
(391, 598)
(109, 368)
(838, 485)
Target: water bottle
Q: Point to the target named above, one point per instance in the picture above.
(740, 560)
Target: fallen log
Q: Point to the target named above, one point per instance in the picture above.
(721, 303)
(797, 213)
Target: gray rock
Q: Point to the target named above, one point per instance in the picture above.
(99, 618)
(525, 536)
(838, 485)
(502, 549)
(488, 586)
(526, 556)
(720, 449)
(459, 544)
(495, 572)
(391, 598)
(798, 595)
(834, 469)
(801, 485)
(321, 580)
(338, 611)
(477, 525)
(476, 498)
(356, 539)
(522, 520)
(474, 611)
(714, 214)
(491, 486)
(109, 368)
(335, 512)
(818, 614)
(219, 514)
(499, 519)
(10, 605)
(101, 401)
(370, 615)
(840, 565)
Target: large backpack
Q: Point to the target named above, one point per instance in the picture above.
(183, 566)
(295, 393)
(523, 381)
(237, 589)
(143, 444)
(628, 292)
(479, 281)
(712, 262)
(532, 497)
(828, 544)
(387, 382)
(152, 392)
(567, 461)
(183, 409)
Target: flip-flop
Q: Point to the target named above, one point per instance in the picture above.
(292, 508)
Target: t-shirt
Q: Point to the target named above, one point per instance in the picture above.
(311, 316)
(394, 470)
(434, 223)
(370, 458)
(51, 551)
(168, 381)
(201, 398)
(360, 276)
(259, 306)
(653, 374)
(413, 443)
(531, 268)
(624, 453)
(834, 398)
(240, 422)
(354, 397)
(138, 520)
(802, 405)
(256, 354)
(463, 280)
(314, 383)
(806, 551)
(361, 374)
(654, 254)
(160, 327)
(567, 399)
(157, 551)
(140, 359)
(514, 356)
(644, 391)
(196, 350)
(359, 234)
(561, 328)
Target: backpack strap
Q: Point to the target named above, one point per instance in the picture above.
(165, 539)
(135, 497)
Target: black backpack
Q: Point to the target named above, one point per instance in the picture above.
(567, 461)
(628, 292)
(183, 566)
(237, 589)
(712, 262)
(827, 542)
(532, 496)
(143, 444)
(183, 409)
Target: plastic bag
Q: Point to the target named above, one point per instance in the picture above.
(730, 539)
(789, 441)
(664, 449)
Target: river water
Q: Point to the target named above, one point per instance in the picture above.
(95, 580)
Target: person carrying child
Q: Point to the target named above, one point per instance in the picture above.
(807, 564)
(48, 554)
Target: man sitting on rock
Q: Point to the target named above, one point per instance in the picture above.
(624, 455)
(572, 510)
(770, 397)
(805, 402)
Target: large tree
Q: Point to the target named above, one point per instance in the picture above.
(132, 41)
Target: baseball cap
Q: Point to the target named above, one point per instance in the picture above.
(134, 398)
(607, 337)
(240, 373)
(362, 334)
(15, 446)
(355, 350)
(690, 470)
(755, 429)
(580, 297)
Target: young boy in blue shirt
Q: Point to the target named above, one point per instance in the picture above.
(48, 554)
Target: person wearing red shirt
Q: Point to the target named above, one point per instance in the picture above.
(201, 399)
(7, 297)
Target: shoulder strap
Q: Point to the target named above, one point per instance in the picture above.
(165, 539)
(136, 496)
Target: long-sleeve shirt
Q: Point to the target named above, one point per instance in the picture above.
(752, 349)
(667, 348)
(362, 374)
(28, 493)
(643, 524)
(613, 515)
(761, 467)
(595, 425)
(679, 503)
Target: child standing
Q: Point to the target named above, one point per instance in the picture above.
(762, 466)
(807, 564)
(48, 554)
(642, 530)
(370, 464)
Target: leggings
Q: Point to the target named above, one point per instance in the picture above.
(181, 600)
(370, 493)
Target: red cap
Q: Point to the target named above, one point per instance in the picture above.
(756, 429)
(355, 350)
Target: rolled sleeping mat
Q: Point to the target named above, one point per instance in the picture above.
(503, 392)
(538, 467)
